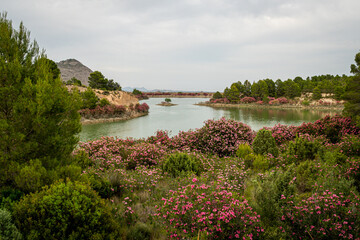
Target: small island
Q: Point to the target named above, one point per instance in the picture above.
(166, 103)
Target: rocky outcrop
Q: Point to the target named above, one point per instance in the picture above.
(73, 68)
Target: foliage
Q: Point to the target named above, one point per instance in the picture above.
(243, 150)
(316, 93)
(332, 128)
(180, 164)
(352, 95)
(8, 230)
(98, 81)
(217, 95)
(65, 210)
(145, 154)
(89, 99)
(324, 215)
(168, 100)
(142, 107)
(264, 143)
(38, 116)
(74, 81)
(223, 136)
(301, 149)
(248, 100)
(104, 102)
(140, 231)
(220, 214)
(350, 145)
(31, 177)
(137, 92)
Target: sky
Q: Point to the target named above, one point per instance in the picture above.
(201, 45)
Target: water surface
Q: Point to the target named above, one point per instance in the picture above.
(186, 115)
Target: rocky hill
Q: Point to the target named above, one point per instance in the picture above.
(73, 68)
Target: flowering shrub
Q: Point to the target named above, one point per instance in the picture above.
(282, 133)
(161, 137)
(248, 100)
(145, 154)
(282, 100)
(274, 102)
(223, 136)
(322, 216)
(142, 107)
(350, 145)
(103, 111)
(260, 102)
(218, 213)
(219, 100)
(331, 127)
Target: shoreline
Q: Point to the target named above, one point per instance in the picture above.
(176, 96)
(283, 106)
(126, 116)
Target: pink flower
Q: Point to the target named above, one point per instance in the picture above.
(194, 180)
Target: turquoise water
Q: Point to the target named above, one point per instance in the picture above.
(186, 115)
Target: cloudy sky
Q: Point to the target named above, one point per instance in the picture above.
(195, 44)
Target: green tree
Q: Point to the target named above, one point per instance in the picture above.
(280, 88)
(217, 95)
(338, 92)
(259, 89)
(97, 80)
(291, 89)
(316, 93)
(247, 88)
(168, 100)
(74, 81)
(352, 92)
(355, 68)
(232, 94)
(271, 87)
(137, 92)
(89, 99)
(38, 117)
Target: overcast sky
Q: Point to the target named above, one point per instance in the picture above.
(195, 44)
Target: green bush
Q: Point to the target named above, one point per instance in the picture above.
(179, 164)
(244, 150)
(65, 210)
(31, 177)
(168, 100)
(8, 230)
(301, 149)
(264, 143)
(260, 163)
(269, 194)
(305, 102)
(104, 102)
(140, 231)
(306, 174)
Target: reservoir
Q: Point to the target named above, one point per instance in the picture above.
(185, 116)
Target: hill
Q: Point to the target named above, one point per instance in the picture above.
(73, 68)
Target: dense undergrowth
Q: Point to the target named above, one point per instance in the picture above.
(222, 181)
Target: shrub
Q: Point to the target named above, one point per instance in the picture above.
(305, 175)
(333, 128)
(350, 145)
(264, 143)
(282, 100)
(248, 100)
(31, 177)
(104, 102)
(282, 133)
(220, 214)
(8, 230)
(305, 102)
(142, 107)
(324, 215)
(168, 100)
(145, 154)
(179, 164)
(223, 136)
(301, 149)
(260, 163)
(65, 210)
(244, 150)
(140, 231)
(269, 194)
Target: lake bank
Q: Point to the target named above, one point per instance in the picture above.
(126, 116)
